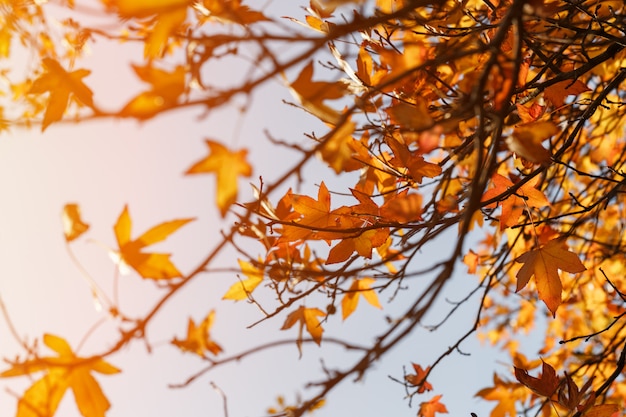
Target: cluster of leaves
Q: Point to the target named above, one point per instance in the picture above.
(500, 119)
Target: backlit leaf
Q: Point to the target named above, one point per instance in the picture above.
(307, 318)
(241, 290)
(61, 372)
(198, 338)
(148, 265)
(62, 85)
(227, 167)
(73, 225)
(359, 288)
(543, 263)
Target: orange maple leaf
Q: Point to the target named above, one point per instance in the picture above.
(429, 408)
(73, 225)
(62, 372)
(307, 317)
(61, 85)
(545, 385)
(311, 94)
(359, 288)
(148, 265)
(556, 93)
(514, 204)
(412, 162)
(198, 339)
(241, 290)
(363, 244)
(526, 141)
(418, 379)
(227, 167)
(166, 88)
(168, 15)
(313, 219)
(544, 264)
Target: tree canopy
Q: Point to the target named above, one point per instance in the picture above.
(476, 141)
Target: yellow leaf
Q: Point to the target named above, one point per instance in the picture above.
(544, 264)
(311, 94)
(359, 287)
(73, 225)
(166, 88)
(242, 289)
(227, 167)
(62, 372)
(170, 15)
(148, 265)
(198, 339)
(61, 85)
(526, 141)
(307, 317)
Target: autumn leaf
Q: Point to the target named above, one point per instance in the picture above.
(306, 317)
(312, 94)
(412, 116)
(544, 264)
(198, 339)
(314, 219)
(514, 204)
(241, 290)
(61, 85)
(412, 162)
(418, 379)
(148, 265)
(363, 244)
(506, 394)
(359, 288)
(166, 88)
(62, 372)
(227, 167)
(168, 15)
(557, 92)
(545, 385)
(431, 407)
(232, 11)
(526, 141)
(73, 225)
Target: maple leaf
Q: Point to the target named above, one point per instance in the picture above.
(62, 372)
(411, 162)
(506, 394)
(557, 92)
(311, 94)
(231, 11)
(227, 167)
(61, 85)
(544, 264)
(363, 244)
(166, 88)
(241, 290)
(418, 379)
(73, 225)
(169, 15)
(312, 219)
(339, 149)
(526, 141)
(514, 204)
(412, 116)
(359, 288)
(307, 317)
(429, 408)
(198, 339)
(148, 265)
(545, 385)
